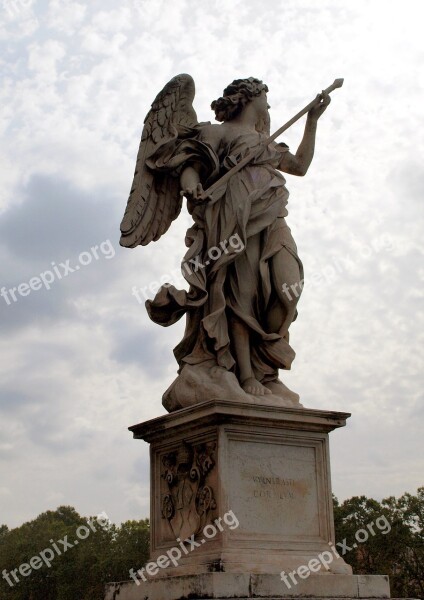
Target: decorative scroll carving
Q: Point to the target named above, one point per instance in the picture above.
(189, 500)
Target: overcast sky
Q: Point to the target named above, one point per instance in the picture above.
(81, 361)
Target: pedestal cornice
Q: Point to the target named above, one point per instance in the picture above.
(218, 411)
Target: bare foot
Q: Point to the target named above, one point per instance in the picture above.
(253, 386)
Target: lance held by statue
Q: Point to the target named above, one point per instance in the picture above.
(237, 308)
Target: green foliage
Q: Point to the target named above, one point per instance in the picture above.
(3, 530)
(106, 554)
(394, 546)
(398, 552)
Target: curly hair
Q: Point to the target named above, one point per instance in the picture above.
(236, 96)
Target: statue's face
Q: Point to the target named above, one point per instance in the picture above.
(261, 103)
(262, 110)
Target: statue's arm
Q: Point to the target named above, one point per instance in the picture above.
(191, 175)
(299, 163)
(190, 180)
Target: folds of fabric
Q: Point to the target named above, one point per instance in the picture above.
(233, 279)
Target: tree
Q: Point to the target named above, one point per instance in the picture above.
(81, 555)
(384, 537)
(394, 544)
(409, 510)
(3, 530)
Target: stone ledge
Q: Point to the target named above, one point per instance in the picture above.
(220, 411)
(243, 586)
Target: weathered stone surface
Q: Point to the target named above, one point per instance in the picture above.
(197, 382)
(244, 587)
(250, 483)
(369, 586)
(241, 508)
(322, 585)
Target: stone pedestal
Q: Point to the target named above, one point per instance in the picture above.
(241, 507)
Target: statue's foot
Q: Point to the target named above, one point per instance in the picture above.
(277, 388)
(254, 387)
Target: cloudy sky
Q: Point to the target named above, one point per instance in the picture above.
(81, 361)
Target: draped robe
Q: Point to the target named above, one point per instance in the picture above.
(230, 280)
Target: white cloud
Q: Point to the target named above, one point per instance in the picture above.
(17, 20)
(64, 16)
(80, 78)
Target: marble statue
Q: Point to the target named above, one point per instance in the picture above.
(241, 260)
(243, 446)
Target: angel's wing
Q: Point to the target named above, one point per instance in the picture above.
(154, 200)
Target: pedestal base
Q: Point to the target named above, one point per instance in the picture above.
(246, 587)
(247, 485)
(241, 507)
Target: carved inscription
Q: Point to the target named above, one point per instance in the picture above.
(279, 482)
(274, 487)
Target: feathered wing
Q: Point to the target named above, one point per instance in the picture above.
(154, 200)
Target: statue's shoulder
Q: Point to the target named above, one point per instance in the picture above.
(211, 133)
(210, 130)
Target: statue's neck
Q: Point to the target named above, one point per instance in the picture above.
(248, 118)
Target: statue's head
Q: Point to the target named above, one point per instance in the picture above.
(236, 96)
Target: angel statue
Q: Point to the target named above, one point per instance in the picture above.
(242, 265)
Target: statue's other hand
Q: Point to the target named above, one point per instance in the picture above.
(194, 194)
(323, 100)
